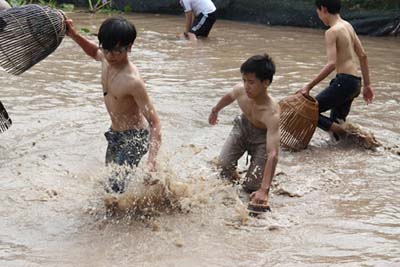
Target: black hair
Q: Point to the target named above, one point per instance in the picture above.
(333, 6)
(116, 31)
(261, 65)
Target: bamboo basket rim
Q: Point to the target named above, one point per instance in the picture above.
(308, 98)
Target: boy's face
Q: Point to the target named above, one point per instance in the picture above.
(322, 14)
(253, 86)
(117, 54)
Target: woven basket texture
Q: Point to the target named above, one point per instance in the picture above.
(298, 121)
(28, 34)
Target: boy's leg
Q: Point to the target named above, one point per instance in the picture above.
(114, 182)
(353, 87)
(337, 97)
(136, 146)
(231, 152)
(340, 113)
(202, 24)
(124, 148)
(255, 173)
(112, 155)
(327, 99)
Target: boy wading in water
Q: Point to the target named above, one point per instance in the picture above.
(255, 131)
(343, 49)
(125, 98)
(199, 18)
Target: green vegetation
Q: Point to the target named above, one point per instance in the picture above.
(85, 30)
(16, 3)
(49, 3)
(364, 4)
(97, 5)
(371, 4)
(127, 8)
(93, 5)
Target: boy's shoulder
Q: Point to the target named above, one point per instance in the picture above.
(272, 104)
(239, 86)
(238, 90)
(129, 77)
(131, 72)
(339, 27)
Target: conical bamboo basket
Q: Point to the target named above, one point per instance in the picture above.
(298, 121)
(28, 34)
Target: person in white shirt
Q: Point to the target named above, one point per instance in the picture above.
(4, 5)
(200, 18)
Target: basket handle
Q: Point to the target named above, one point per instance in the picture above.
(307, 97)
(310, 98)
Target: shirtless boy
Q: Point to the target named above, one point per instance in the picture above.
(199, 18)
(125, 97)
(255, 131)
(343, 49)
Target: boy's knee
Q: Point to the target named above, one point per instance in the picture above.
(228, 168)
(225, 163)
(230, 175)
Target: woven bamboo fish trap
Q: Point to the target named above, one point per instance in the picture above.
(298, 121)
(5, 121)
(28, 34)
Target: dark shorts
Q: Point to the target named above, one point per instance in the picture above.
(124, 148)
(337, 98)
(244, 137)
(127, 147)
(202, 24)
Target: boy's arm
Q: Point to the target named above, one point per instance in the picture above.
(90, 48)
(149, 112)
(189, 17)
(188, 21)
(368, 93)
(223, 102)
(330, 40)
(187, 8)
(273, 139)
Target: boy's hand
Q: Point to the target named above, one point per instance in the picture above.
(213, 118)
(259, 197)
(368, 94)
(180, 36)
(304, 91)
(70, 27)
(184, 35)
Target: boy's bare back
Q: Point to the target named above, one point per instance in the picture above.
(345, 38)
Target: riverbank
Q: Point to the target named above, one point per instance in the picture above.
(373, 22)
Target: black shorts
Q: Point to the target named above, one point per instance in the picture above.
(202, 24)
(337, 98)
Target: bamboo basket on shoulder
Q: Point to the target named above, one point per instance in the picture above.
(298, 121)
(28, 34)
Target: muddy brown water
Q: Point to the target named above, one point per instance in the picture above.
(332, 204)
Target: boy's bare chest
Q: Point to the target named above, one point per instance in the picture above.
(113, 85)
(256, 114)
